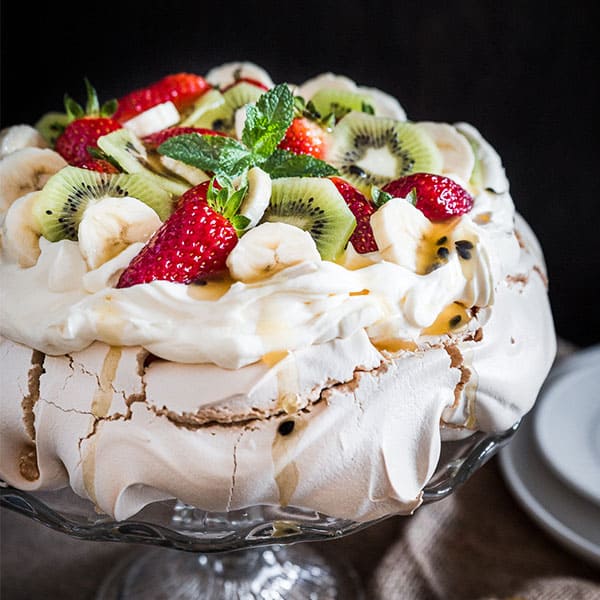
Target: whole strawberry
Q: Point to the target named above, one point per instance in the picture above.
(194, 242)
(437, 197)
(305, 137)
(154, 140)
(362, 238)
(84, 129)
(181, 88)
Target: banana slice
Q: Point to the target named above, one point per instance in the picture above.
(384, 104)
(154, 119)
(191, 174)
(457, 154)
(25, 171)
(258, 196)
(18, 137)
(268, 249)
(21, 231)
(111, 225)
(398, 228)
(239, 120)
(228, 73)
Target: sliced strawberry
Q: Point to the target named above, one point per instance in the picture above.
(97, 164)
(362, 238)
(193, 243)
(305, 137)
(80, 135)
(85, 127)
(154, 140)
(182, 89)
(437, 197)
(249, 80)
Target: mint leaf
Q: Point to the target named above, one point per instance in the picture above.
(216, 153)
(268, 120)
(283, 163)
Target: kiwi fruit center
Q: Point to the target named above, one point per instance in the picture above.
(371, 150)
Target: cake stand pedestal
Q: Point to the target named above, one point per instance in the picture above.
(242, 555)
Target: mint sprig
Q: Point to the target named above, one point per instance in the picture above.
(265, 126)
(268, 120)
(283, 163)
(216, 153)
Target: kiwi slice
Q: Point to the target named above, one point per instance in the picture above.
(51, 125)
(369, 150)
(125, 148)
(340, 102)
(210, 102)
(315, 205)
(221, 117)
(60, 205)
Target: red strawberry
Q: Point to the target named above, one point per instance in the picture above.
(193, 243)
(253, 82)
(437, 197)
(362, 238)
(304, 137)
(97, 164)
(154, 140)
(84, 129)
(182, 89)
(82, 134)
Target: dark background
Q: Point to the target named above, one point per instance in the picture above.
(524, 73)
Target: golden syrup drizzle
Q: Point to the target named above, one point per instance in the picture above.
(211, 289)
(285, 470)
(288, 386)
(452, 318)
(429, 254)
(272, 358)
(364, 292)
(395, 345)
(100, 407)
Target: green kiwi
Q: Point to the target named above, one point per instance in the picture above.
(369, 150)
(340, 102)
(221, 116)
(209, 103)
(60, 205)
(129, 152)
(51, 125)
(315, 205)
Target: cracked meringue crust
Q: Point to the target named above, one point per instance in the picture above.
(124, 428)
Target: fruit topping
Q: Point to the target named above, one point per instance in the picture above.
(362, 238)
(127, 150)
(182, 89)
(60, 206)
(154, 140)
(372, 150)
(305, 137)
(316, 206)
(194, 242)
(80, 137)
(437, 197)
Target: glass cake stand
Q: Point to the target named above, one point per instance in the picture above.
(244, 554)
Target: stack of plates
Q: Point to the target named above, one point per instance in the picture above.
(552, 465)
